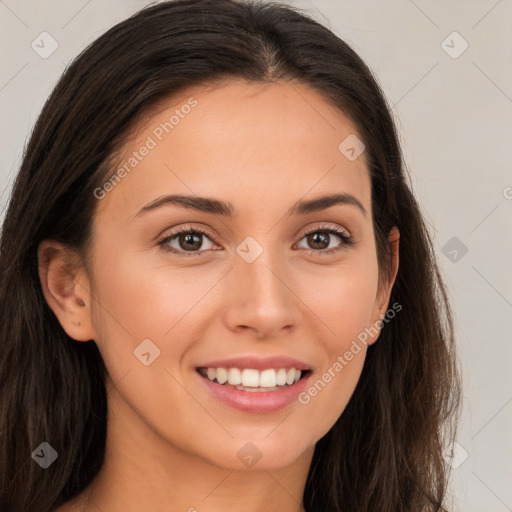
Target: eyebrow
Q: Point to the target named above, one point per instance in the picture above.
(226, 209)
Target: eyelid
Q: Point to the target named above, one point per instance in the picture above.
(303, 232)
(174, 233)
(323, 227)
(188, 228)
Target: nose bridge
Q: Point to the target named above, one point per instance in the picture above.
(261, 276)
(260, 296)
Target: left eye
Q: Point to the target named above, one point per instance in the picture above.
(319, 237)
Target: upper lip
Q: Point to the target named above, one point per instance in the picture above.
(257, 363)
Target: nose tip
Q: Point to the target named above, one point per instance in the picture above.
(261, 301)
(263, 332)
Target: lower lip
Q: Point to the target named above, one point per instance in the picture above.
(256, 401)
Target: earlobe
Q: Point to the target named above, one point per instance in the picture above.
(66, 289)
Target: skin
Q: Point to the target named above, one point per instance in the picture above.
(262, 148)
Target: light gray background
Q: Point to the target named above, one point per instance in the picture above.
(455, 119)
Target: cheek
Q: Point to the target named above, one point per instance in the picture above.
(345, 306)
(331, 388)
(343, 297)
(137, 301)
(139, 297)
(328, 394)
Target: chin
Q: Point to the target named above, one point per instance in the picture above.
(263, 452)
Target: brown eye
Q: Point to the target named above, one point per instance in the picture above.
(319, 240)
(183, 241)
(322, 240)
(190, 241)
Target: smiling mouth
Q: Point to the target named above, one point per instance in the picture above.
(249, 379)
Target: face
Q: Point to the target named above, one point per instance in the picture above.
(256, 283)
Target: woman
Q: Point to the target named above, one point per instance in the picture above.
(217, 289)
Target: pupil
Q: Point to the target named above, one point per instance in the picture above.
(189, 239)
(319, 238)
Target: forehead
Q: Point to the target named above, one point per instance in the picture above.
(254, 145)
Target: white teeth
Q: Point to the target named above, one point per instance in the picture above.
(222, 375)
(234, 376)
(290, 376)
(242, 388)
(281, 377)
(249, 379)
(268, 379)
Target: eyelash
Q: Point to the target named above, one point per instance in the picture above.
(346, 239)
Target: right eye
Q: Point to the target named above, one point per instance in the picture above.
(186, 238)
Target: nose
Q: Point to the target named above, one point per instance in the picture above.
(261, 298)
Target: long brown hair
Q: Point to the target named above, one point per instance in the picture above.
(384, 453)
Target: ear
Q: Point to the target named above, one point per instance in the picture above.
(66, 288)
(386, 283)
